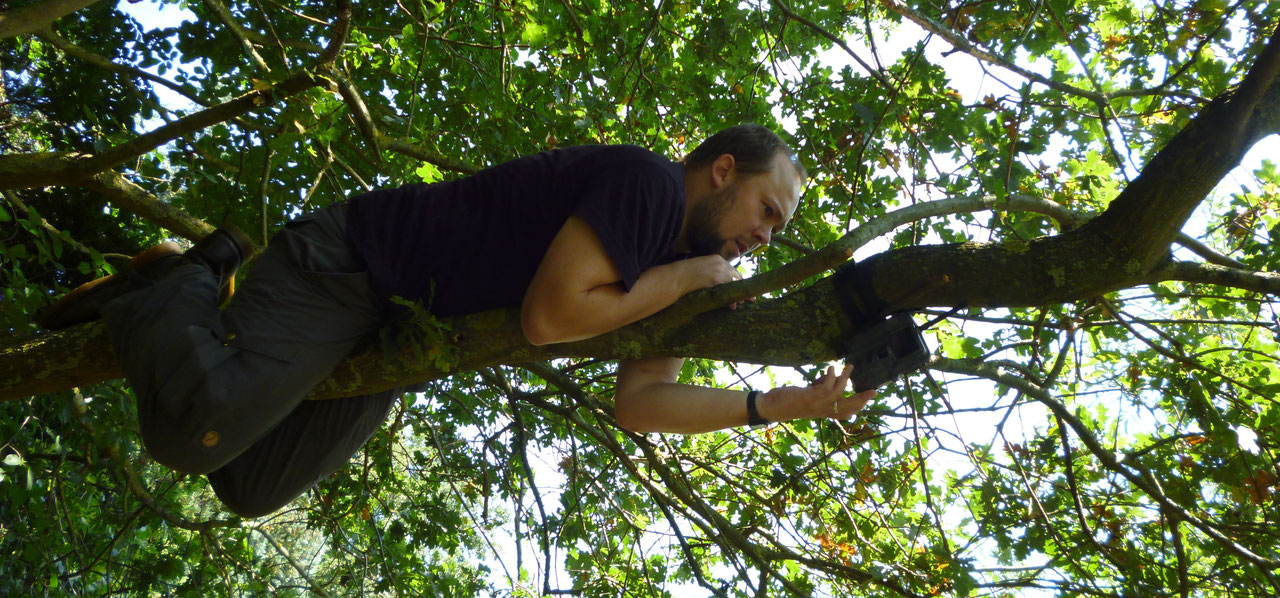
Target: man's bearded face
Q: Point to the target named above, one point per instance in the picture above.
(704, 221)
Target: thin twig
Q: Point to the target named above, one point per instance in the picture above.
(955, 39)
(791, 14)
(263, 183)
(25, 212)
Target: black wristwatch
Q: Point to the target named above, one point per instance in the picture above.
(753, 415)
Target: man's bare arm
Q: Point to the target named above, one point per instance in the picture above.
(648, 399)
(577, 291)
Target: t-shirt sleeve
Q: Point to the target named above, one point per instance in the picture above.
(635, 211)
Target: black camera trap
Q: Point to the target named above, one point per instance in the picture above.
(885, 351)
(884, 347)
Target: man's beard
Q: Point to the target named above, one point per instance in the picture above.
(704, 219)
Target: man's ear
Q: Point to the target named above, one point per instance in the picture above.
(722, 170)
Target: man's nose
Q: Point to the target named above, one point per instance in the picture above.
(762, 235)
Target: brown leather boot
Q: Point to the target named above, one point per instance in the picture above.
(221, 251)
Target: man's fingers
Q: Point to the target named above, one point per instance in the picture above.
(853, 404)
(827, 381)
(861, 399)
(843, 382)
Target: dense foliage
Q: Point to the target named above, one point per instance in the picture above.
(1119, 444)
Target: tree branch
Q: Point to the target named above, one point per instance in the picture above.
(839, 251)
(125, 194)
(791, 14)
(721, 530)
(140, 492)
(1262, 282)
(1104, 455)
(197, 121)
(25, 212)
(1208, 253)
(1117, 249)
(134, 482)
(53, 168)
(401, 146)
(799, 328)
(359, 112)
(1068, 466)
(378, 140)
(302, 571)
(728, 535)
(1142, 220)
(263, 40)
(228, 19)
(341, 27)
(30, 19)
(960, 43)
(803, 327)
(19, 171)
(102, 62)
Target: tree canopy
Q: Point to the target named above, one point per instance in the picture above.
(1100, 418)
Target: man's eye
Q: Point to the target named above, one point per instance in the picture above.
(768, 210)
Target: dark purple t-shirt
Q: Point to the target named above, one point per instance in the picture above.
(474, 243)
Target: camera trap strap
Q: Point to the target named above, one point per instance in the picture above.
(884, 347)
(856, 297)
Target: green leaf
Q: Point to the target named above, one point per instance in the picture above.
(428, 173)
(534, 34)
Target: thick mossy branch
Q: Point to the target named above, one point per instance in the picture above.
(46, 363)
(1042, 271)
(799, 329)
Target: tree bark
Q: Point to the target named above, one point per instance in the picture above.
(123, 193)
(801, 328)
(82, 355)
(1144, 218)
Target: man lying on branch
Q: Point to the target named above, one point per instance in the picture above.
(584, 239)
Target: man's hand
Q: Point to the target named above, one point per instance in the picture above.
(577, 291)
(824, 398)
(707, 271)
(649, 399)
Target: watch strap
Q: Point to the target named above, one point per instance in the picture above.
(753, 415)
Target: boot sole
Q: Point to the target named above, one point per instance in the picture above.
(82, 303)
